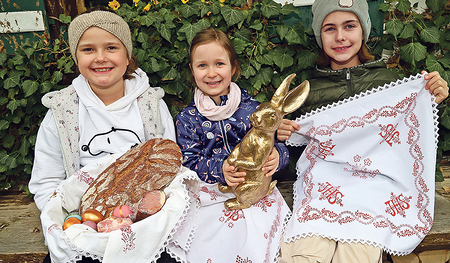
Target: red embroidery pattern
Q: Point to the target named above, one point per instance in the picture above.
(325, 149)
(264, 203)
(128, 237)
(397, 205)
(54, 227)
(276, 223)
(84, 177)
(212, 193)
(391, 135)
(360, 170)
(406, 106)
(231, 216)
(331, 193)
(242, 260)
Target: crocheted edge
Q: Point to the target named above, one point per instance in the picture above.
(362, 95)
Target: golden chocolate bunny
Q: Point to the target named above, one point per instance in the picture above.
(254, 149)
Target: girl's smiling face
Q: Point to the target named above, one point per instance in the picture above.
(212, 70)
(342, 38)
(102, 60)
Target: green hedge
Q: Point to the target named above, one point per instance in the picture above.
(268, 51)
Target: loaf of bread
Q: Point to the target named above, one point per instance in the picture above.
(150, 165)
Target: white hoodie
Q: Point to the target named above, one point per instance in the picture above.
(103, 130)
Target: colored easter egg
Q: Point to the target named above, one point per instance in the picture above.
(91, 224)
(122, 211)
(92, 215)
(70, 221)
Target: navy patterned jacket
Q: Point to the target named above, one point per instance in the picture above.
(205, 144)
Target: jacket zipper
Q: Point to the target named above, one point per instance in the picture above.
(224, 135)
(349, 83)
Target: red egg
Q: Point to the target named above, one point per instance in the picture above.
(92, 215)
(71, 221)
(91, 224)
(122, 211)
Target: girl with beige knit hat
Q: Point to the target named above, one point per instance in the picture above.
(108, 109)
(344, 69)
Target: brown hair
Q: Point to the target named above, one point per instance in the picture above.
(363, 55)
(209, 35)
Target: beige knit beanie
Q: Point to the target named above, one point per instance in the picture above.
(106, 20)
(322, 8)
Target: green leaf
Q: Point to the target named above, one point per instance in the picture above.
(3, 157)
(164, 30)
(283, 58)
(171, 75)
(413, 52)
(29, 51)
(430, 34)
(445, 61)
(282, 31)
(244, 34)
(289, 8)
(187, 10)
(8, 141)
(436, 5)
(12, 162)
(190, 31)
(30, 87)
(65, 19)
(3, 100)
(265, 75)
(57, 77)
(407, 32)
(4, 124)
(265, 59)
(11, 82)
(46, 86)
(232, 16)
(239, 45)
(394, 27)
(403, 6)
(3, 58)
(142, 37)
(174, 87)
(24, 147)
(147, 19)
(271, 9)
(247, 70)
(293, 38)
(433, 64)
(306, 59)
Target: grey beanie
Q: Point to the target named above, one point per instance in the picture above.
(106, 20)
(322, 8)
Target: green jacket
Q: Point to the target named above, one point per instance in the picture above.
(329, 86)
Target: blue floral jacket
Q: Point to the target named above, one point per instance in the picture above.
(205, 144)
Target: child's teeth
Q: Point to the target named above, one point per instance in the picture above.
(101, 70)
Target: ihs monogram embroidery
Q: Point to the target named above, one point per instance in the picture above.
(325, 149)
(389, 134)
(397, 205)
(331, 193)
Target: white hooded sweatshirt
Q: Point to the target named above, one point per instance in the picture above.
(101, 130)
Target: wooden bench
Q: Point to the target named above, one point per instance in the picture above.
(22, 240)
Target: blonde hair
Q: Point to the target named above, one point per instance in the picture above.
(209, 35)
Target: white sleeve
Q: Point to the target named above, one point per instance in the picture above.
(48, 167)
(167, 122)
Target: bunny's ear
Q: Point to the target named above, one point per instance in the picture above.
(281, 92)
(295, 98)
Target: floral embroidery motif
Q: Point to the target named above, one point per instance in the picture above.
(242, 260)
(128, 238)
(361, 170)
(212, 193)
(84, 177)
(264, 203)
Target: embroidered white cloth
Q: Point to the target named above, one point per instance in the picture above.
(143, 241)
(215, 234)
(368, 172)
